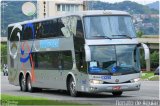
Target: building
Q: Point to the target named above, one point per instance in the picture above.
(47, 8)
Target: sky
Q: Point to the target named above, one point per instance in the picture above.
(144, 2)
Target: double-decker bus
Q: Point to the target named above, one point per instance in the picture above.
(89, 51)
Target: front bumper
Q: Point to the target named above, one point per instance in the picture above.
(109, 87)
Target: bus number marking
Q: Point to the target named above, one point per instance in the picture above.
(106, 77)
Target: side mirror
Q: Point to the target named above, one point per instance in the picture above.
(87, 53)
(146, 51)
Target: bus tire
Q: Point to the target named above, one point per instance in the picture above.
(72, 87)
(117, 93)
(22, 84)
(29, 86)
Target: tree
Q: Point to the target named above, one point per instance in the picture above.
(154, 59)
(139, 34)
(3, 54)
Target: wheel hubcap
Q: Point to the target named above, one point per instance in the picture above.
(23, 84)
(72, 87)
(29, 85)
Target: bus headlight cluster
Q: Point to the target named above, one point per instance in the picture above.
(96, 82)
(135, 80)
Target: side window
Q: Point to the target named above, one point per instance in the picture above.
(45, 30)
(13, 36)
(79, 29)
(66, 61)
(39, 28)
(54, 27)
(46, 60)
(53, 60)
(9, 32)
(51, 28)
(60, 26)
(27, 33)
(80, 60)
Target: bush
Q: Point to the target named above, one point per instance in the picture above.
(3, 53)
(154, 60)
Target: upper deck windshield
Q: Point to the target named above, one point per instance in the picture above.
(99, 27)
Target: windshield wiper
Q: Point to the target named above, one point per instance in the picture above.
(123, 35)
(106, 37)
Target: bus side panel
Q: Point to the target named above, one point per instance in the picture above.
(13, 70)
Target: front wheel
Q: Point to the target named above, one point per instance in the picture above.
(117, 93)
(72, 87)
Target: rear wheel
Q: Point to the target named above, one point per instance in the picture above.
(29, 86)
(117, 93)
(72, 87)
(22, 84)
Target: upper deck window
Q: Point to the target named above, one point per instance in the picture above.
(99, 27)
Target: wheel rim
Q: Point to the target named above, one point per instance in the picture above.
(23, 84)
(29, 85)
(73, 87)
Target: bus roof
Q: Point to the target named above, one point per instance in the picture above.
(80, 13)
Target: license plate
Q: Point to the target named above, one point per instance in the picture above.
(116, 88)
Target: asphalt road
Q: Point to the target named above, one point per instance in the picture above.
(149, 92)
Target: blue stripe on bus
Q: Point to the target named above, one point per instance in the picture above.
(24, 60)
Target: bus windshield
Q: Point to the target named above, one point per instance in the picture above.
(100, 27)
(115, 59)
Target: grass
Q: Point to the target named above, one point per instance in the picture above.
(9, 100)
(155, 78)
(146, 75)
(149, 76)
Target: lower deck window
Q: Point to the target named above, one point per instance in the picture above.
(53, 60)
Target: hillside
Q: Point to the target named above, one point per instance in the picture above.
(145, 19)
(154, 5)
(11, 13)
(131, 7)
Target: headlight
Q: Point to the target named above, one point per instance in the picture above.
(96, 82)
(135, 80)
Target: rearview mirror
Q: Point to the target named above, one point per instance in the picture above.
(87, 53)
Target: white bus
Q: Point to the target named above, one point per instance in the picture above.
(89, 51)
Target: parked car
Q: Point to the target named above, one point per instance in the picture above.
(156, 72)
(5, 70)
